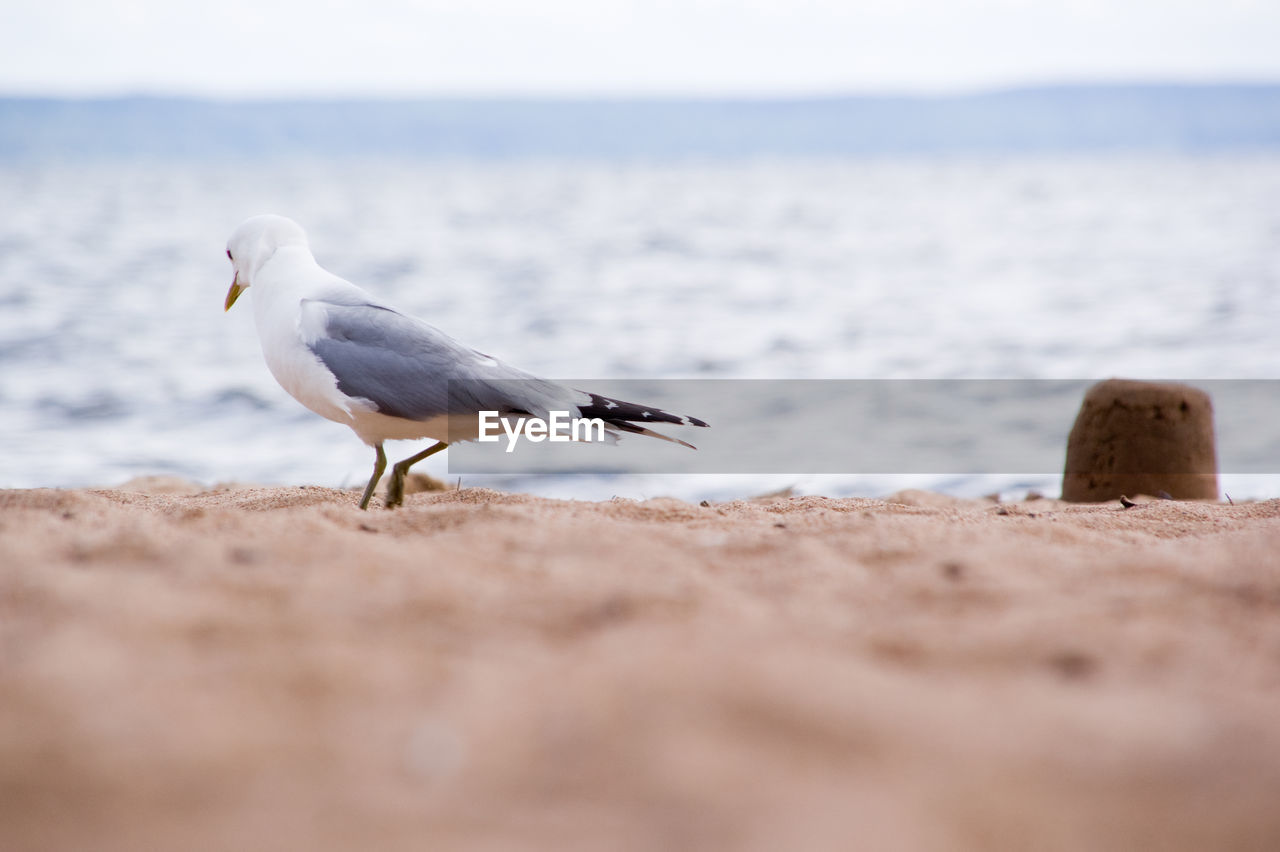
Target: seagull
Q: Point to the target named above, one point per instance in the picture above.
(357, 360)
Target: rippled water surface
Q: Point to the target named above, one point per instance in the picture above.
(116, 359)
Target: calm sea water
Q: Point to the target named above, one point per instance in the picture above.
(116, 359)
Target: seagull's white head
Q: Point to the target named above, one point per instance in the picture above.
(253, 243)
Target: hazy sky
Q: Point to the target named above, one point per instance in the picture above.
(397, 47)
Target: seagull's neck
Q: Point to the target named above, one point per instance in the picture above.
(291, 267)
(291, 257)
(288, 276)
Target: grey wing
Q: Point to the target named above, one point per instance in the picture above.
(412, 370)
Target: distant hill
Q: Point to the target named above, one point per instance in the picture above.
(1055, 118)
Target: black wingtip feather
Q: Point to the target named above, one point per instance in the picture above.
(616, 412)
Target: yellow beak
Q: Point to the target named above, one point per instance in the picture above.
(234, 293)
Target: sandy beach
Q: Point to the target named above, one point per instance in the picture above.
(269, 668)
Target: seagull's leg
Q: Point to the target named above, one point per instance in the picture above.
(395, 488)
(379, 465)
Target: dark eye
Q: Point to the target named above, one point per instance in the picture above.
(229, 257)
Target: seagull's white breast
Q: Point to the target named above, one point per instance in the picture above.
(285, 327)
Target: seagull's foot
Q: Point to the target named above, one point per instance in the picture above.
(395, 489)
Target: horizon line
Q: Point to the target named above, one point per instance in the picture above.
(815, 95)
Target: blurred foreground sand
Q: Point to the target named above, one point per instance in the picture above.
(272, 669)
